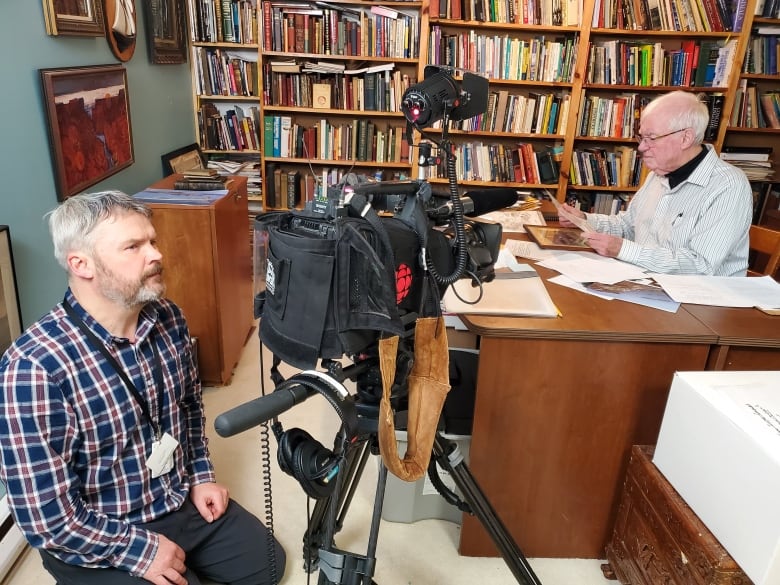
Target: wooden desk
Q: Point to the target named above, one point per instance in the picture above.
(559, 404)
(747, 338)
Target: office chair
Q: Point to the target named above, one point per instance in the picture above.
(764, 243)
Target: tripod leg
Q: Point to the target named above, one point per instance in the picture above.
(483, 510)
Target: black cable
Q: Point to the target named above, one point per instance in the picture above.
(265, 479)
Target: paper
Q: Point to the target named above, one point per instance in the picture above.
(530, 250)
(512, 221)
(579, 222)
(526, 297)
(586, 267)
(721, 291)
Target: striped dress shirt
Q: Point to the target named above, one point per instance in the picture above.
(74, 441)
(700, 226)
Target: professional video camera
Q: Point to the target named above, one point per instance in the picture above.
(363, 266)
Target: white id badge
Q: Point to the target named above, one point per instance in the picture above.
(161, 460)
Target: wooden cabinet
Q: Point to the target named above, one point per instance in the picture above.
(658, 538)
(208, 273)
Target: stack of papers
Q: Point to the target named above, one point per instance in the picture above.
(722, 291)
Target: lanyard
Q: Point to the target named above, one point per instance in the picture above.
(156, 369)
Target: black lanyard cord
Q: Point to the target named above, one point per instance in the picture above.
(93, 340)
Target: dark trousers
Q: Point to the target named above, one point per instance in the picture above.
(231, 550)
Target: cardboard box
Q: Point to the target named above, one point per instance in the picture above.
(719, 447)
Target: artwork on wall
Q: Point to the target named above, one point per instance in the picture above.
(88, 113)
(10, 315)
(74, 17)
(165, 26)
(121, 31)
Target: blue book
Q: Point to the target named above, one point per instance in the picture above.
(277, 141)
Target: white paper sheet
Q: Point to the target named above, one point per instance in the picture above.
(721, 291)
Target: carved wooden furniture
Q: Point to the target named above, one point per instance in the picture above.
(658, 538)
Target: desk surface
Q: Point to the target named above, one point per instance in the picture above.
(739, 326)
(592, 318)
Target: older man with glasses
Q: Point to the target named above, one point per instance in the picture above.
(692, 215)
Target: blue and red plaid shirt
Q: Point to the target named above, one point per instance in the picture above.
(74, 441)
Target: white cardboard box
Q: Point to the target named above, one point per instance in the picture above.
(719, 447)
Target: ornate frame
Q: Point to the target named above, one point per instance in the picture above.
(62, 20)
(165, 30)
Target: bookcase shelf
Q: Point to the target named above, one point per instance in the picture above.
(435, 36)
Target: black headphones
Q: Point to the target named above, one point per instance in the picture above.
(303, 457)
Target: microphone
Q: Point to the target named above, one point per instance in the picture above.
(257, 411)
(478, 202)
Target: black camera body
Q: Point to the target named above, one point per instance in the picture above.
(347, 270)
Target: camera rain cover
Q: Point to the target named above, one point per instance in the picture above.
(328, 289)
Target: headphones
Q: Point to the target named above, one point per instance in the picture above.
(303, 457)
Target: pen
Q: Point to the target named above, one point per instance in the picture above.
(679, 215)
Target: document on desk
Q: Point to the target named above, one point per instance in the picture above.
(512, 220)
(518, 293)
(586, 267)
(648, 296)
(721, 291)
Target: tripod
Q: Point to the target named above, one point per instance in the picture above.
(338, 567)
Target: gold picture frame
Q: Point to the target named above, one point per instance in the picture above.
(10, 314)
(557, 238)
(74, 17)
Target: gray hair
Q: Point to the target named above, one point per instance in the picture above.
(71, 224)
(682, 109)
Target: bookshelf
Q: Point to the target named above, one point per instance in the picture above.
(223, 59)
(330, 76)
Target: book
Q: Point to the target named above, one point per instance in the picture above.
(715, 103)
(320, 96)
(199, 184)
(293, 188)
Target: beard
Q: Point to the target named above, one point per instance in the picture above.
(129, 292)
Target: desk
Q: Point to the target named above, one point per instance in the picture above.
(747, 338)
(559, 404)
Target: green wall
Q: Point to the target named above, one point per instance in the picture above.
(160, 112)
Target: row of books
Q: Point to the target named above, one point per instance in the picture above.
(358, 140)
(596, 202)
(228, 21)
(543, 12)
(620, 167)
(537, 113)
(332, 29)
(371, 91)
(763, 54)
(520, 163)
(232, 129)
(644, 64)
(219, 72)
(754, 108)
(755, 161)
(673, 15)
(291, 188)
(503, 57)
(616, 117)
(768, 8)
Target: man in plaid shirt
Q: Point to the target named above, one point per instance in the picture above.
(102, 432)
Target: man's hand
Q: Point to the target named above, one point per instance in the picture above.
(168, 564)
(211, 500)
(604, 244)
(565, 210)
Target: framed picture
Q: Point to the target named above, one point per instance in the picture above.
(121, 29)
(89, 124)
(10, 314)
(165, 26)
(557, 238)
(183, 159)
(74, 17)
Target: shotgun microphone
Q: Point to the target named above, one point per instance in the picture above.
(478, 203)
(257, 411)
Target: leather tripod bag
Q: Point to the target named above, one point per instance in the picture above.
(428, 385)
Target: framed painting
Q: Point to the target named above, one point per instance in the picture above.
(88, 113)
(74, 17)
(165, 26)
(557, 238)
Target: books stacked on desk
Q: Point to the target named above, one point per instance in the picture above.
(200, 180)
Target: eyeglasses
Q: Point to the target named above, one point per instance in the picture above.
(652, 139)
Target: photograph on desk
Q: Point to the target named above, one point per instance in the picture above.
(557, 238)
